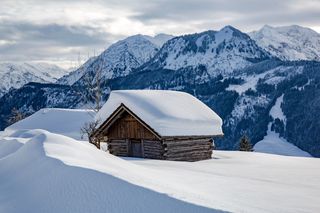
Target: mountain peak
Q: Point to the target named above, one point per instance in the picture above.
(287, 29)
(229, 31)
(289, 42)
(130, 40)
(217, 51)
(228, 27)
(159, 39)
(119, 59)
(16, 74)
(267, 26)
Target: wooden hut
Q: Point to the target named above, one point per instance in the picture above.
(158, 124)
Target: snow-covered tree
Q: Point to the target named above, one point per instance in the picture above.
(245, 144)
(15, 116)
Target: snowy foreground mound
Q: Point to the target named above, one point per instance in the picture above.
(66, 122)
(45, 168)
(47, 172)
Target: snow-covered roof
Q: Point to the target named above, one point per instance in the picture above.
(168, 113)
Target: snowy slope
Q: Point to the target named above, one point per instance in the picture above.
(53, 119)
(46, 172)
(218, 51)
(250, 82)
(270, 76)
(76, 73)
(289, 42)
(120, 58)
(15, 75)
(274, 144)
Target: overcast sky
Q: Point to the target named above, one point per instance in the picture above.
(57, 31)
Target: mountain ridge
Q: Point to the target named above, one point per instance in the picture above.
(120, 58)
(16, 74)
(289, 42)
(219, 51)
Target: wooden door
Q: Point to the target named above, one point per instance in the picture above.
(136, 148)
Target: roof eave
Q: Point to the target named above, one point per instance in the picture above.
(193, 136)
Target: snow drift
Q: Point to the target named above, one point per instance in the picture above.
(47, 172)
(54, 173)
(62, 121)
(42, 171)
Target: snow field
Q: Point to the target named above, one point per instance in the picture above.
(43, 171)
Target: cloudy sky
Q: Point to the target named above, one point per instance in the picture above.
(58, 31)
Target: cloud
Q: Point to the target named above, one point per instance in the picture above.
(51, 33)
(23, 41)
(58, 30)
(244, 14)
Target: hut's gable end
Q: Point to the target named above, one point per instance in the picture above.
(126, 126)
(128, 137)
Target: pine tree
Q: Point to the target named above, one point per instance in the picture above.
(245, 144)
(15, 116)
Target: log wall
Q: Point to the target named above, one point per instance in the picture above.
(172, 149)
(188, 149)
(118, 147)
(153, 149)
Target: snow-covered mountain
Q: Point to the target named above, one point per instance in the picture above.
(15, 75)
(120, 58)
(289, 42)
(218, 51)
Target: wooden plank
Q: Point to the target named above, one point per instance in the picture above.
(177, 151)
(193, 159)
(172, 146)
(187, 142)
(189, 156)
(142, 147)
(187, 138)
(128, 147)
